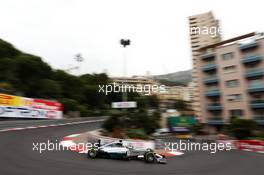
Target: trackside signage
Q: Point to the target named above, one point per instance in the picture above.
(126, 104)
(22, 107)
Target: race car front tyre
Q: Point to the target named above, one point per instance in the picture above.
(92, 153)
(150, 157)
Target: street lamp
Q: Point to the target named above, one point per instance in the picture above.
(124, 43)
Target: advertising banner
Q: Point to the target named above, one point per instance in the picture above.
(125, 104)
(182, 121)
(22, 107)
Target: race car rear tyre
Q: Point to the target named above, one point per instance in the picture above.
(92, 153)
(150, 157)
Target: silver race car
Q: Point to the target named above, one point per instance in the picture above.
(117, 150)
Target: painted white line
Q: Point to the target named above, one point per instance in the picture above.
(43, 126)
(84, 152)
(176, 153)
(16, 129)
(73, 135)
(4, 130)
(246, 149)
(52, 125)
(31, 127)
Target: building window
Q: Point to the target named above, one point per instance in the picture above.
(229, 69)
(236, 113)
(228, 56)
(232, 83)
(234, 97)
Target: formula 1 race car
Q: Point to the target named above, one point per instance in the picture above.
(116, 150)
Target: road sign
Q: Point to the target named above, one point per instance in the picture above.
(125, 104)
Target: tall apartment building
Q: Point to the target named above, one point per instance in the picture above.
(202, 29)
(232, 79)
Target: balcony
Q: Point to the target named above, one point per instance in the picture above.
(256, 87)
(214, 107)
(211, 80)
(209, 67)
(259, 119)
(251, 73)
(257, 104)
(251, 59)
(212, 93)
(215, 121)
(208, 56)
(247, 46)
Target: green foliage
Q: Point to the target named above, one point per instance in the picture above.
(197, 129)
(136, 134)
(30, 76)
(113, 122)
(69, 104)
(47, 88)
(7, 50)
(242, 128)
(180, 105)
(6, 87)
(134, 119)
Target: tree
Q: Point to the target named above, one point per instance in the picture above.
(152, 101)
(180, 105)
(69, 104)
(7, 49)
(8, 67)
(71, 86)
(47, 88)
(29, 75)
(113, 122)
(6, 88)
(242, 128)
(134, 120)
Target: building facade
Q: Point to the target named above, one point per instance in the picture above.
(201, 35)
(175, 93)
(139, 82)
(231, 79)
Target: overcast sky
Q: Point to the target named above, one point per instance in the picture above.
(56, 30)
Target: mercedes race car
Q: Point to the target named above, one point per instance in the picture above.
(117, 150)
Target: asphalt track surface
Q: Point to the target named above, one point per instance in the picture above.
(18, 158)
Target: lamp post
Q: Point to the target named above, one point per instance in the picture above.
(124, 43)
